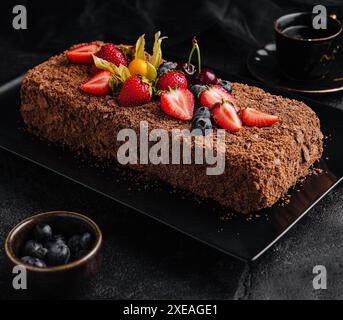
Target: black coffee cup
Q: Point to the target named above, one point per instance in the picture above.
(304, 52)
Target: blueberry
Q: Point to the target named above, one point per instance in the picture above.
(43, 232)
(33, 261)
(202, 123)
(58, 237)
(202, 112)
(74, 244)
(226, 85)
(58, 254)
(55, 239)
(78, 255)
(86, 241)
(196, 89)
(34, 249)
(166, 66)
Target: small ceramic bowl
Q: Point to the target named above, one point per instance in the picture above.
(54, 278)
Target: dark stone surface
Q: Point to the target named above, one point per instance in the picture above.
(142, 258)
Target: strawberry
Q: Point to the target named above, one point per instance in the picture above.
(225, 115)
(134, 92)
(178, 103)
(111, 53)
(252, 117)
(215, 94)
(171, 79)
(82, 54)
(98, 84)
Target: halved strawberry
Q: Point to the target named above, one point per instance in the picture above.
(225, 115)
(216, 94)
(178, 103)
(98, 84)
(252, 117)
(83, 54)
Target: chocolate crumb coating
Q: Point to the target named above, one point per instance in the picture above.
(261, 164)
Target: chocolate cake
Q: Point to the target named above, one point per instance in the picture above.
(261, 164)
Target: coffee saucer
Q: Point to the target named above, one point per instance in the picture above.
(263, 65)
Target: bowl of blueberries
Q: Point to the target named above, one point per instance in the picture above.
(56, 248)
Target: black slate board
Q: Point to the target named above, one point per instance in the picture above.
(243, 239)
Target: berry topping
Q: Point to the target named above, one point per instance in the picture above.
(202, 123)
(213, 95)
(58, 254)
(252, 117)
(198, 76)
(188, 69)
(206, 76)
(35, 262)
(34, 249)
(43, 232)
(178, 103)
(226, 85)
(136, 91)
(202, 120)
(196, 89)
(166, 66)
(98, 84)
(111, 53)
(171, 79)
(225, 115)
(202, 112)
(83, 54)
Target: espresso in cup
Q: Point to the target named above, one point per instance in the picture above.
(305, 52)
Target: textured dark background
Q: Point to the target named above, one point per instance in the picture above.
(143, 259)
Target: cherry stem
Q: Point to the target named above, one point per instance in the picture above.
(195, 47)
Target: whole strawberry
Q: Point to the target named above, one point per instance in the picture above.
(134, 92)
(171, 79)
(111, 53)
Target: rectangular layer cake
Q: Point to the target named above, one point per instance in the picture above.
(261, 164)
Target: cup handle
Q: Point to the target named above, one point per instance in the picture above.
(335, 48)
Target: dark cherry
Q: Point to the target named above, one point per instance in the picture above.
(207, 76)
(188, 69)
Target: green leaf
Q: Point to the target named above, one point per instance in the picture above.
(114, 83)
(120, 73)
(127, 50)
(140, 47)
(103, 64)
(156, 58)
